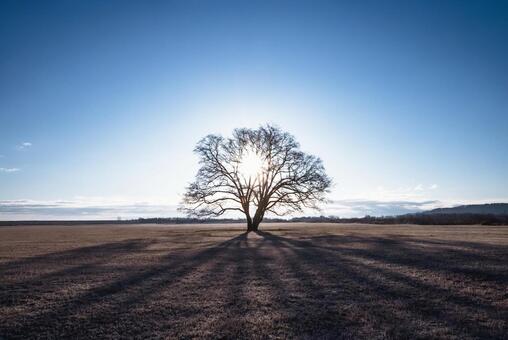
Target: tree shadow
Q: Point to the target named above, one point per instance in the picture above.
(391, 272)
(263, 284)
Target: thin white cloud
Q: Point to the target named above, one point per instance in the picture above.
(96, 208)
(9, 169)
(24, 145)
(362, 207)
(434, 187)
(419, 187)
(83, 209)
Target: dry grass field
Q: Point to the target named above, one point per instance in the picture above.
(288, 281)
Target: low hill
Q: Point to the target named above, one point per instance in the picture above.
(484, 209)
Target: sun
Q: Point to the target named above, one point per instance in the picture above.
(251, 164)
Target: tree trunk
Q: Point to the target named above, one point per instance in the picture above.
(253, 226)
(253, 223)
(250, 224)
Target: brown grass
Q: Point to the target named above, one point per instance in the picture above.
(288, 281)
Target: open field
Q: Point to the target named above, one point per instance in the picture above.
(288, 281)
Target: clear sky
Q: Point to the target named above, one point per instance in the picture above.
(102, 102)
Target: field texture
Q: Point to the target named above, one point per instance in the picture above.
(287, 281)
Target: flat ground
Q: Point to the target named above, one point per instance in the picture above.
(288, 281)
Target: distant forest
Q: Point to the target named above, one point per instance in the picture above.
(418, 218)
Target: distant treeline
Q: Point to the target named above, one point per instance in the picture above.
(423, 219)
(156, 220)
(420, 218)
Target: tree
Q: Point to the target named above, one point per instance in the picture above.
(256, 171)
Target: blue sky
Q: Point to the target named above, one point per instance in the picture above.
(102, 102)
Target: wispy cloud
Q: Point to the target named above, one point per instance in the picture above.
(24, 145)
(83, 209)
(87, 208)
(434, 187)
(9, 169)
(360, 208)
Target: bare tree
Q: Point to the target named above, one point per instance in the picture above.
(256, 171)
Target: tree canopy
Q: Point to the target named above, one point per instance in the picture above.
(255, 171)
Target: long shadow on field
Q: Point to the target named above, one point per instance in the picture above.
(73, 261)
(68, 310)
(261, 284)
(401, 287)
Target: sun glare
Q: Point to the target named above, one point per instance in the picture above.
(251, 165)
